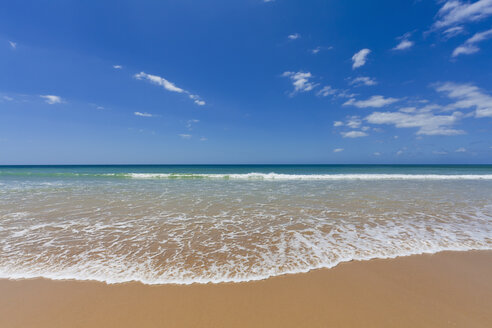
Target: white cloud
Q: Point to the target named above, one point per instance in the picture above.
(169, 86)
(13, 44)
(319, 48)
(337, 123)
(455, 12)
(426, 122)
(294, 36)
(337, 150)
(51, 99)
(354, 122)
(300, 81)
(461, 150)
(429, 119)
(377, 154)
(329, 91)
(197, 100)
(203, 139)
(189, 123)
(345, 94)
(360, 57)
(354, 134)
(467, 96)
(117, 66)
(400, 152)
(326, 91)
(7, 98)
(408, 109)
(143, 114)
(465, 49)
(363, 80)
(453, 31)
(404, 44)
(469, 47)
(374, 101)
(185, 136)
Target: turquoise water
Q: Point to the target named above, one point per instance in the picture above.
(244, 169)
(215, 223)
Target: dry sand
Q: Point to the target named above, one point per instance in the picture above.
(450, 289)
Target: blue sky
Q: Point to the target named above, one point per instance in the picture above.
(248, 81)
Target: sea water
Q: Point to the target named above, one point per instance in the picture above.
(231, 223)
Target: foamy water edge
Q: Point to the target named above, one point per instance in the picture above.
(109, 281)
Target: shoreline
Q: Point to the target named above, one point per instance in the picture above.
(449, 288)
(251, 280)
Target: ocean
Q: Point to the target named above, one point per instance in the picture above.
(182, 224)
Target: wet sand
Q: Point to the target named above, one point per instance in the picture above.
(449, 289)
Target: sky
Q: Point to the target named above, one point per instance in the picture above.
(247, 81)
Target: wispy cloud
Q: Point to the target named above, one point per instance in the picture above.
(319, 48)
(404, 44)
(426, 122)
(354, 134)
(374, 101)
(300, 81)
(326, 91)
(169, 86)
(117, 66)
(13, 44)
(143, 114)
(294, 36)
(467, 96)
(460, 150)
(430, 120)
(453, 31)
(360, 57)
(336, 93)
(354, 122)
(52, 99)
(185, 136)
(455, 12)
(196, 99)
(345, 94)
(337, 150)
(363, 80)
(189, 123)
(470, 45)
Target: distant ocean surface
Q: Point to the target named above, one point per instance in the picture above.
(184, 224)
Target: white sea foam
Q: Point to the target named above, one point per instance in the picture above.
(116, 231)
(132, 254)
(278, 176)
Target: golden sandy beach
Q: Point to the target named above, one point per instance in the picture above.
(449, 289)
